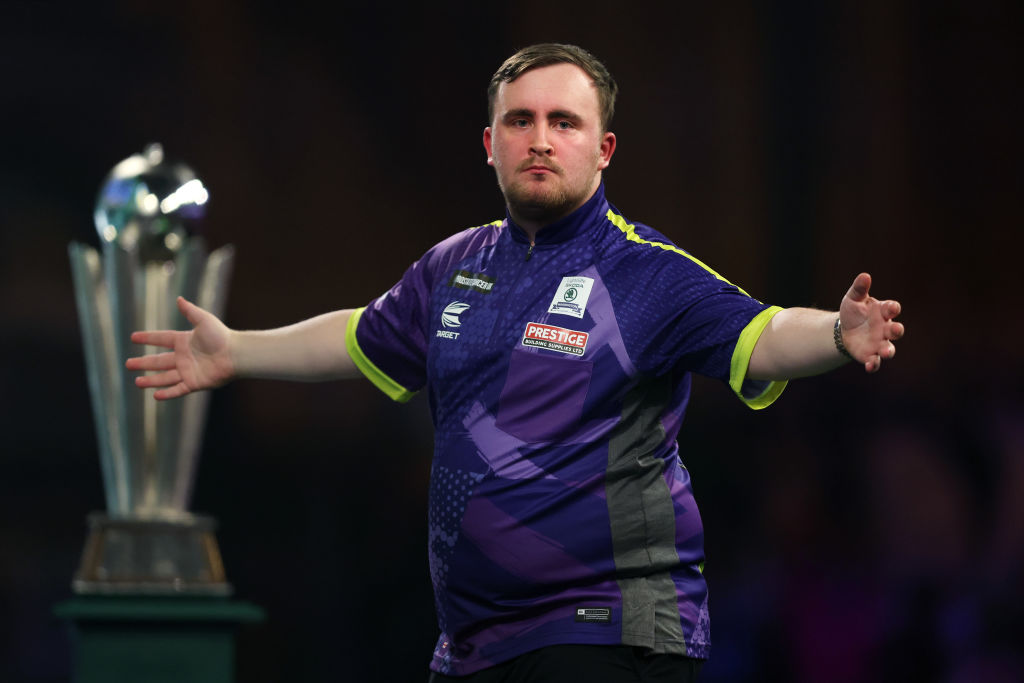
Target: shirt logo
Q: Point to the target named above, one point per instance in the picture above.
(478, 282)
(450, 316)
(595, 615)
(555, 339)
(571, 296)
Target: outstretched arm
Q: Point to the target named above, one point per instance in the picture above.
(799, 342)
(211, 354)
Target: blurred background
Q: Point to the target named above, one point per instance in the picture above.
(864, 528)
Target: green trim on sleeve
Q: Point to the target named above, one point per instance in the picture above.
(741, 359)
(389, 386)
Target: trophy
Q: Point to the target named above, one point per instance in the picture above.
(146, 542)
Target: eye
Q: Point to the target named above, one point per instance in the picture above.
(563, 125)
(520, 123)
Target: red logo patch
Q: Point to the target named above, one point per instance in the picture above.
(555, 339)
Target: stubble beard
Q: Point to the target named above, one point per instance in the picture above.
(541, 202)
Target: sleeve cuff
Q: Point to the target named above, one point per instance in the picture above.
(741, 360)
(377, 376)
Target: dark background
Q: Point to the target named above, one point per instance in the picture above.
(865, 528)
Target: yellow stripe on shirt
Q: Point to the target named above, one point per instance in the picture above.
(379, 378)
(630, 232)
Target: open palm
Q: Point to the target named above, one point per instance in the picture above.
(198, 359)
(868, 326)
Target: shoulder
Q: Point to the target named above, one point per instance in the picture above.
(462, 245)
(635, 241)
(641, 249)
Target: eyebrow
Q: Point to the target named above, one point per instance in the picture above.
(563, 114)
(553, 115)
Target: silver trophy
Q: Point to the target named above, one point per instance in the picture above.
(146, 542)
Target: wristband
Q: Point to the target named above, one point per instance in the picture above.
(837, 337)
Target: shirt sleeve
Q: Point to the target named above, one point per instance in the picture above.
(695, 320)
(387, 338)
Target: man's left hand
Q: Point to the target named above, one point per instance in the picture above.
(868, 328)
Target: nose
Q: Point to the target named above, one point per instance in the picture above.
(539, 145)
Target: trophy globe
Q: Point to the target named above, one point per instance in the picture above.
(150, 205)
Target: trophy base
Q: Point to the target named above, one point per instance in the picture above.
(141, 556)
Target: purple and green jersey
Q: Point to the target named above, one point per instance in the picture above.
(558, 377)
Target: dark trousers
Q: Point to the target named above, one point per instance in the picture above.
(585, 664)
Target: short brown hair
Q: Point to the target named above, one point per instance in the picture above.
(546, 54)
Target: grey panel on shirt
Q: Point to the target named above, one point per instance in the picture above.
(643, 522)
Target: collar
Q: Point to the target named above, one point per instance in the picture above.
(564, 229)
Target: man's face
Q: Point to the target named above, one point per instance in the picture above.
(546, 143)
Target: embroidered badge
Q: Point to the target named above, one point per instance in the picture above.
(571, 296)
(555, 339)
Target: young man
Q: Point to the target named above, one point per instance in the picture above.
(556, 346)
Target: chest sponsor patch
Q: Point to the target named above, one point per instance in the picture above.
(478, 282)
(554, 338)
(571, 296)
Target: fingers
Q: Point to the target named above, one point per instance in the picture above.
(172, 386)
(161, 379)
(164, 338)
(878, 316)
(167, 380)
(191, 312)
(891, 309)
(859, 289)
(168, 384)
(874, 363)
(157, 361)
(176, 391)
(893, 331)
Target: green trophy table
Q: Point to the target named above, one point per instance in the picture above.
(155, 639)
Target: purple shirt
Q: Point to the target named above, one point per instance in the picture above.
(558, 377)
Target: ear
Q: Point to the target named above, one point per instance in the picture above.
(606, 150)
(487, 145)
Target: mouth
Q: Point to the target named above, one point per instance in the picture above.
(539, 169)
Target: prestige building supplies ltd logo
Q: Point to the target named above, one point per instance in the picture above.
(554, 338)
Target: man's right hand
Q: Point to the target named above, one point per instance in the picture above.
(198, 359)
